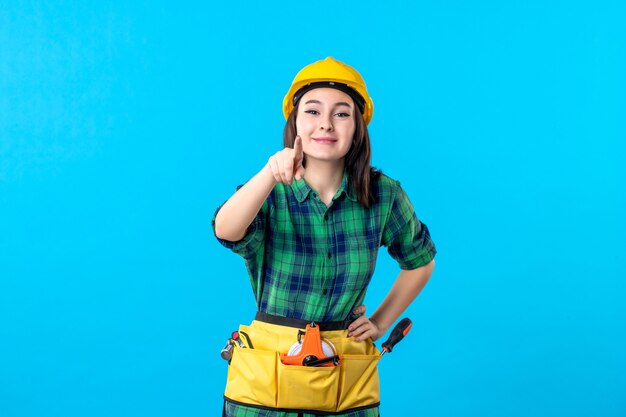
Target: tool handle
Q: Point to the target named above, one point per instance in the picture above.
(235, 337)
(319, 362)
(227, 352)
(397, 334)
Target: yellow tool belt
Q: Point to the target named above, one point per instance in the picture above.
(257, 377)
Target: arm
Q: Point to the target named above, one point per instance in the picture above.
(233, 219)
(237, 213)
(404, 290)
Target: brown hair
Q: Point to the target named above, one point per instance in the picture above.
(357, 160)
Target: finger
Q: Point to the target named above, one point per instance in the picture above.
(360, 329)
(280, 161)
(274, 167)
(356, 324)
(366, 335)
(359, 310)
(288, 163)
(298, 151)
(299, 172)
(297, 146)
(364, 332)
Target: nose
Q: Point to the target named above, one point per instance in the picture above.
(326, 123)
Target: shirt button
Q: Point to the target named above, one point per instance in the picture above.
(325, 291)
(325, 216)
(328, 254)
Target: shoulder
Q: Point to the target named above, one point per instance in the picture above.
(386, 181)
(385, 188)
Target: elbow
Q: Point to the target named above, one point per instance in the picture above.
(225, 233)
(219, 230)
(430, 267)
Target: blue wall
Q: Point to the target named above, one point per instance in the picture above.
(124, 124)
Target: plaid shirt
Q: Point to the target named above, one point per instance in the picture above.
(313, 262)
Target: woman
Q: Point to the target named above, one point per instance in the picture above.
(309, 225)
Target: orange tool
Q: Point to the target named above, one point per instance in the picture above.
(310, 353)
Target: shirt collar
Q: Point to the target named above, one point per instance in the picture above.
(346, 188)
(302, 190)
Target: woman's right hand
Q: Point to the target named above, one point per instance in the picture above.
(287, 164)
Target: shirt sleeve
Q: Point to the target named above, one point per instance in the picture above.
(406, 237)
(254, 238)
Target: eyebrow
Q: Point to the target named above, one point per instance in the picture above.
(340, 103)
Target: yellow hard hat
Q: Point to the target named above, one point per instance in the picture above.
(334, 74)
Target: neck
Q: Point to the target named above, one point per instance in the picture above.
(324, 177)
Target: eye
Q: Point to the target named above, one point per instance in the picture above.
(311, 111)
(342, 114)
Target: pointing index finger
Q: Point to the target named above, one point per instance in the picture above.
(297, 147)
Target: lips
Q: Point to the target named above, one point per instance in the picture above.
(325, 140)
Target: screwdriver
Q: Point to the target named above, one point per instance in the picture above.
(227, 352)
(397, 334)
(235, 337)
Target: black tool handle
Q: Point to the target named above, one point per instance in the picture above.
(397, 334)
(313, 361)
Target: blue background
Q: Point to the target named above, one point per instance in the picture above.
(123, 126)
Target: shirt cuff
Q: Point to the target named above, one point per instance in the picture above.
(419, 260)
(248, 244)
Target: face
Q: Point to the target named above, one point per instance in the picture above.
(326, 124)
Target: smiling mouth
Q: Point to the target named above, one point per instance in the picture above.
(325, 140)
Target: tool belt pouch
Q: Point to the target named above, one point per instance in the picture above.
(258, 378)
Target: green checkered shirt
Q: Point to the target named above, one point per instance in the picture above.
(313, 262)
